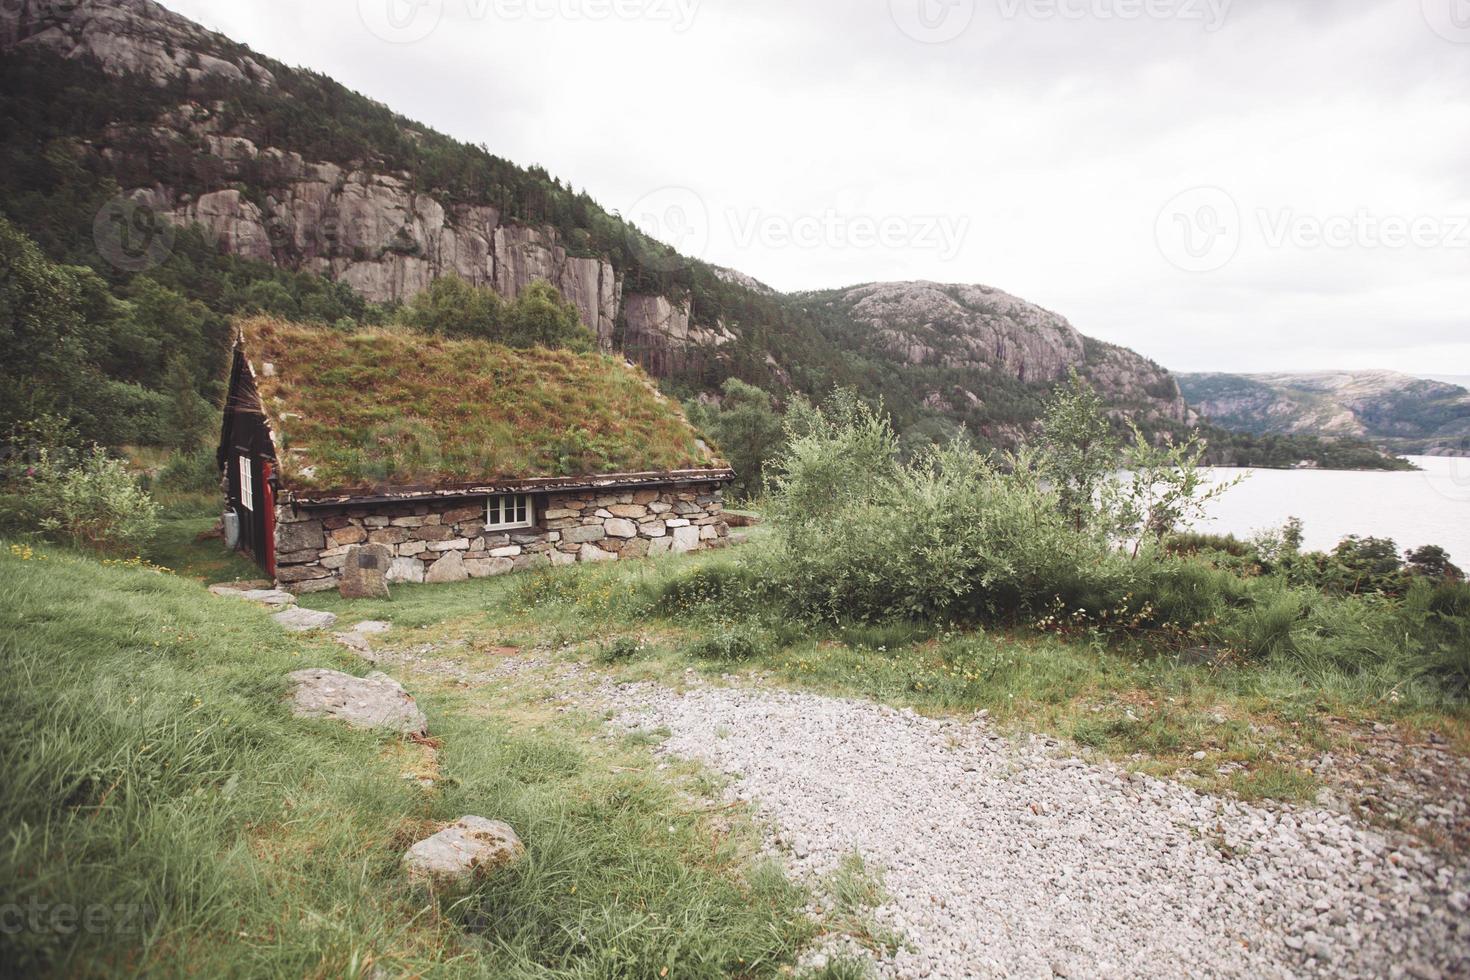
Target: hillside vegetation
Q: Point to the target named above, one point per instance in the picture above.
(78, 133)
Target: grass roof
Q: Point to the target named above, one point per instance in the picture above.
(394, 407)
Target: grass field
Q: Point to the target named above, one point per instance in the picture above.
(153, 772)
(1257, 725)
(156, 782)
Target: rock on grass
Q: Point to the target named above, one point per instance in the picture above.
(374, 701)
(299, 620)
(466, 850)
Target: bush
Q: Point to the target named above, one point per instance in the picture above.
(1440, 614)
(947, 537)
(733, 585)
(620, 649)
(729, 641)
(195, 472)
(88, 499)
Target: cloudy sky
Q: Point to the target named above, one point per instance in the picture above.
(1242, 186)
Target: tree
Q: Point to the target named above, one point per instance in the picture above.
(747, 429)
(1078, 450)
(542, 317)
(455, 308)
(1163, 490)
(1432, 561)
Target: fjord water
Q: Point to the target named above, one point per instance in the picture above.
(1431, 506)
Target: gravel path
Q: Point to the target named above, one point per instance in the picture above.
(1007, 857)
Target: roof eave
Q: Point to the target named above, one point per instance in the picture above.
(557, 484)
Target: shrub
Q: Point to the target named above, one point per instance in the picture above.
(948, 536)
(88, 499)
(729, 641)
(733, 585)
(194, 472)
(1440, 614)
(620, 649)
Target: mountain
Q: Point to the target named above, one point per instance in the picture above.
(1399, 412)
(123, 106)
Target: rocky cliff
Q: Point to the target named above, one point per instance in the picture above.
(1397, 411)
(123, 36)
(985, 332)
(363, 226)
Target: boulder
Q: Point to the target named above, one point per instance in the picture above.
(487, 567)
(388, 535)
(269, 597)
(347, 535)
(450, 568)
(299, 620)
(227, 588)
(293, 574)
(374, 701)
(325, 584)
(365, 572)
(466, 850)
(686, 539)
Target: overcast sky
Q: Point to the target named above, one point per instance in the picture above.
(1243, 186)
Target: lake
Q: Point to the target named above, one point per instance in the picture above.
(1429, 507)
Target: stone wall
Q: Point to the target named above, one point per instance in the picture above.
(447, 541)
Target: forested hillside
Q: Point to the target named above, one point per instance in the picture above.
(185, 171)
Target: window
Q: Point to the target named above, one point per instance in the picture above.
(508, 511)
(247, 484)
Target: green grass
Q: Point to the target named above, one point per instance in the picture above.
(1257, 722)
(176, 547)
(404, 407)
(150, 764)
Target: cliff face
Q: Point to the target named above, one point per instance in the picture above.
(128, 36)
(367, 228)
(1404, 413)
(370, 230)
(985, 331)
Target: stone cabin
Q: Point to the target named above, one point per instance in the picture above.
(461, 458)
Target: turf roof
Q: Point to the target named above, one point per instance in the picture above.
(396, 408)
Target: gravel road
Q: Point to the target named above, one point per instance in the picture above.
(1009, 857)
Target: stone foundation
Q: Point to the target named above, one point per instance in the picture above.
(447, 541)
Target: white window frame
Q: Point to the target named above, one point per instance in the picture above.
(247, 483)
(518, 507)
